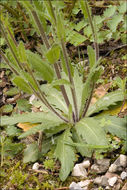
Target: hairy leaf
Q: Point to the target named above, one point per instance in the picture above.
(104, 102)
(84, 151)
(90, 130)
(43, 126)
(91, 54)
(89, 85)
(22, 52)
(31, 153)
(60, 82)
(83, 8)
(53, 54)
(22, 84)
(44, 69)
(38, 117)
(117, 126)
(65, 154)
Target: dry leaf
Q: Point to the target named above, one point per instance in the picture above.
(100, 92)
(26, 126)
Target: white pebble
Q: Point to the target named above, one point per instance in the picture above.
(123, 160)
(86, 163)
(35, 166)
(112, 181)
(123, 175)
(79, 171)
(113, 168)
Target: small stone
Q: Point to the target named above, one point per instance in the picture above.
(107, 187)
(84, 183)
(103, 162)
(79, 171)
(86, 163)
(110, 175)
(123, 175)
(95, 168)
(112, 181)
(113, 168)
(98, 180)
(104, 181)
(123, 160)
(33, 97)
(35, 166)
(101, 166)
(74, 186)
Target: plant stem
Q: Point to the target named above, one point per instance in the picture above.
(9, 45)
(7, 61)
(93, 31)
(88, 102)
(12, 37)
(45, 40)
(12, 11)
(71, 79)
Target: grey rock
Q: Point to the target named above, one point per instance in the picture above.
(95, 168)
(123, 175)
(119, 163)
(79, 171)
(98, 180)
(113, 168)
(101, 166)
(112, 181)
(84, 183)
(104, 181)
(74, 186)
(123, 160)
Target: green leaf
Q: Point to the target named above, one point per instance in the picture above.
(55, 98)
(84, 151)
(122, 8)
(55, 129)
(6, 108)
(60, 82)
(113, 23)
(83, 8)
(23, 105)
(110, 11)
(90, 146)
(90, 130)
(31, 153)
(28, 117)
(50, 12)
(65, 154)
(104, 102)
(43, 68)
(91, 54)
(43, 126)
(60, 27)
(53, 54)
(11, 148)
(117, 126)
(22, 52)
(74, 37)
(22, 84)
(12, 91)
(28, 78)
(12, 59)
(87, 87)
(13, 131)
